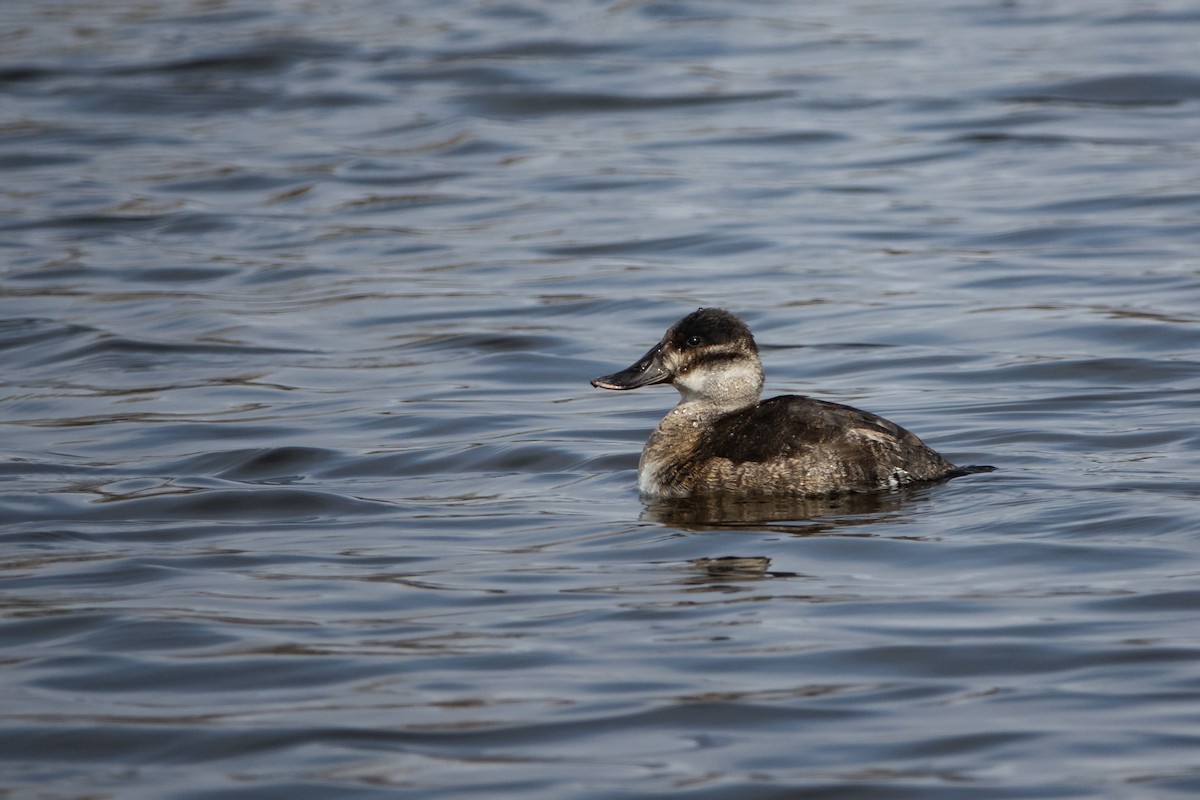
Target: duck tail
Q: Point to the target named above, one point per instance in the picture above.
(971, 470)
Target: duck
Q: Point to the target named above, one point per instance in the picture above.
(722, 439)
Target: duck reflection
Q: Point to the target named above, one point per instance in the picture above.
(793, 515)
(731, 569)
(840, 515)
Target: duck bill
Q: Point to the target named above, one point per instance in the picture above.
(647, 371)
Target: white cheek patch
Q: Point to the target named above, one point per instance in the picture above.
(736, 377)
(719, 383)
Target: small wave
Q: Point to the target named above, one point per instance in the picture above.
(540, 103)
(1152, 89)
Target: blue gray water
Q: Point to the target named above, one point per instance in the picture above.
(305, 493)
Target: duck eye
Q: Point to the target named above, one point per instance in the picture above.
(694, 341)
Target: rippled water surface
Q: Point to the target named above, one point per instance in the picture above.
(304, 492)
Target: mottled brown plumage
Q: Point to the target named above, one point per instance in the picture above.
(721, 439)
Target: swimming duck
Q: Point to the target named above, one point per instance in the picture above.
(721, 439)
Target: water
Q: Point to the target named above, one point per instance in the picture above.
(305, 493)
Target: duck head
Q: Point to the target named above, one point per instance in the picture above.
(709, 356)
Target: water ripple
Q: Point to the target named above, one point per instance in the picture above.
(305, 491)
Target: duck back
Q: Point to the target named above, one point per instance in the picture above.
(790, 445)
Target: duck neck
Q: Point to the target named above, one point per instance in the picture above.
(714, 392)
(674, 443)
